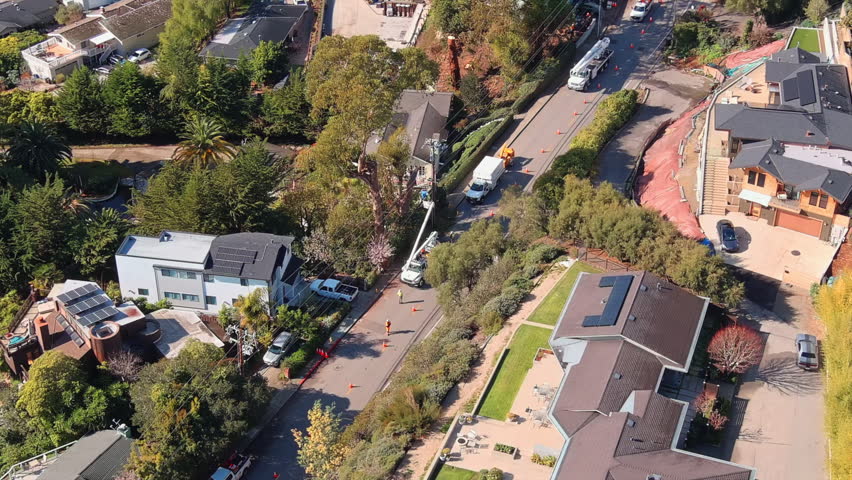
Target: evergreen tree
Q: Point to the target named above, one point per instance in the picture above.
(130, 98)
(81, 102)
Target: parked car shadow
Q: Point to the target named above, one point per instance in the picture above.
(743, 239)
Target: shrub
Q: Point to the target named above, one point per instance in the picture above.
(493, 474)
(749, 26)
(9, 306)
(60, 77)
(546, 460)
(531, 271)
(503, 448)
(580, 159)
(489, 322)
(507, 303)
(542, 253)
(519, 281)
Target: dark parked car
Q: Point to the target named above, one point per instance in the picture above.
(711, 250)
(807, 352)
(727, 236)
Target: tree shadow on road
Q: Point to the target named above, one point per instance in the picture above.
(358, 345)
(782, 374)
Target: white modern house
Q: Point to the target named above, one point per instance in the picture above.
(204, 272)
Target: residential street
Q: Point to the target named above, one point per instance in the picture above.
(360, 358)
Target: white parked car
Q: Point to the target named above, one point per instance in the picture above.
(279, 347)
(412, 273)
(331, 288)
(139, 55)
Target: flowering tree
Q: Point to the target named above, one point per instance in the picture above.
(735, 349)
(704, 404)
(717, 421)
(379, 251)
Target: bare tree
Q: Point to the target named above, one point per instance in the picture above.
(735, 349)
(125, 365)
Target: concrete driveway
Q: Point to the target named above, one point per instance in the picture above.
(349, 18)
(776, 252)
(782, 431)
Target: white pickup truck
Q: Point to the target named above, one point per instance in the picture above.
(640, 10)
(334, 289)
(233, 469)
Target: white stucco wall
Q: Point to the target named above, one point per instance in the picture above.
(225, 289)
(138, 272)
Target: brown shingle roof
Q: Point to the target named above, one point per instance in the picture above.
(127, 22)
(664, 320)
(81, 30)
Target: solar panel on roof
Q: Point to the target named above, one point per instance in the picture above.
(807, 93)
(789, 89)
(620, 285)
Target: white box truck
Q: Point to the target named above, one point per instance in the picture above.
(485, 178)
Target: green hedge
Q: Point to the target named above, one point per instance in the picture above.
(472, 150)
(581, 158)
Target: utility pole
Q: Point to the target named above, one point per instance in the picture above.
(600, 17)
(240, 349)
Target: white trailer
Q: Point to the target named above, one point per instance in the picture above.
(590, 65)
(485, 178)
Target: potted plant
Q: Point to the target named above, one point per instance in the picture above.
(445, 455)
(507, 449)
(512, 417)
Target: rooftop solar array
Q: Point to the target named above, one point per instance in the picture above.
(97, 316)
(620, 285)
(227, 267)
(70, 331)
(81, 306)
(235, 255)
(807, 92)
(75, 295)
(789, 89)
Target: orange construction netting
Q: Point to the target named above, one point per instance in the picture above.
(657, 188)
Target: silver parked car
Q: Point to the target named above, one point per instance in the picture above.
(807, 352)
(279, 347)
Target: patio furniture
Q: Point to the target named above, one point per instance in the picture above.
(461, 441)
(472, 435)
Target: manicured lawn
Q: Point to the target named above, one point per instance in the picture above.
(806, 39)
(452, 473)
(549, 309)
(511, 372)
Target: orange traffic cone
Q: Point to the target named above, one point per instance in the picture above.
(526, 170)
(351, 386)
(491, 214)
(558, 132)
(384, 344)
(575, 113)
(413, 309)
(631, 45)
(616, 68)
(642, 31)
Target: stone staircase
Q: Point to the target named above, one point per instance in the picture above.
(715, 191)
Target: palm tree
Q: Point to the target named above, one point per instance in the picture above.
(38, 149)
(203, 145)
(254, 312)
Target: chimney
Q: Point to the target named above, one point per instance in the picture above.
(42, 329)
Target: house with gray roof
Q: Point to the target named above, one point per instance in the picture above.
(616, 337)
(99, 456)
(121, 27)
(22, 14)
(789, 145)
(276, 23)
(423, 116)
(204, 272)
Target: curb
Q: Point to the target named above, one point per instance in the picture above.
(283, 396)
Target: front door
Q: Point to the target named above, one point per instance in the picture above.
(755, 209)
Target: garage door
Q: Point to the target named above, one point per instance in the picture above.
(798, 223)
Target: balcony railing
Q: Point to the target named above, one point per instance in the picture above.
(789, 204)
(41, 52)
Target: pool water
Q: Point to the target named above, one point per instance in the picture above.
(16, 340)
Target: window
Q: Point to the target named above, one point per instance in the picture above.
(210, 300)
(244, 282)
(143, 291)
(233, 301)
(752, 176)
(168, 273)
(187, 275)
(812, 200)
(208, 278)
(823, 201)
(189, 298)
(172, 295)
(761, 179)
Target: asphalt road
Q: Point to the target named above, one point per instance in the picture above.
(360, 358)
